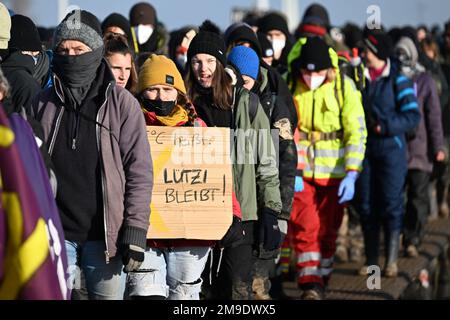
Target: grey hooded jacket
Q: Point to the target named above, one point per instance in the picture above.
(127, 170)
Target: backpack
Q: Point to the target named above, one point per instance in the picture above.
(352, 67)
(350, 71)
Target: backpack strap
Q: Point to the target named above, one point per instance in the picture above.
(339, 93)
(339, 89)
(253, 106)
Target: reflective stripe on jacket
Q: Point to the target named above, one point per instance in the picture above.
(319, 111)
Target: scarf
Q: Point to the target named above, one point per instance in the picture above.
(77, 73)
(42, 68)
(178, 117)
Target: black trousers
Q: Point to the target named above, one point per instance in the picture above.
(417, 206)
(441, 173)
(229, 276)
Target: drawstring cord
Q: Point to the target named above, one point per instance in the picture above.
(211, 266)
(220, 261)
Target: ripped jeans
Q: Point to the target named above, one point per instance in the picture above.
(174, 273)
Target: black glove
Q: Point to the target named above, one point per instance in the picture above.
(269, 231)
(132, 257)
(234, 236)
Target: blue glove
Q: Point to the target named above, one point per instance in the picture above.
(347, 187)
(299, 187)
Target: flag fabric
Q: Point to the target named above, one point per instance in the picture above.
(33, 261)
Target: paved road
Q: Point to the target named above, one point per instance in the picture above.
(345, 284)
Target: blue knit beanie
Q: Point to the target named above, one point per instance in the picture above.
(246, 60)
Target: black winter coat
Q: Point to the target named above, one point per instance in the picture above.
(18, 69)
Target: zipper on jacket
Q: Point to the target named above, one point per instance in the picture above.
(75, 127)
(55, 132)
(105, 196)
(58, 119)
(233, 126)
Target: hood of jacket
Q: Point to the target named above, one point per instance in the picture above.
(16, 60)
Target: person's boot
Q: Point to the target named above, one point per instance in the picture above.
(434, 202)
(442, 195)
(341, 254)
(444, 211)
(240, 290)
(260, 288)
(276, 288)
(392, 243)
(410, 244)
(411, 251)
(312, 292)
(371, 249)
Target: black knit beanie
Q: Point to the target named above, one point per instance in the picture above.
(143, 13)
(379, 43)
(242, 32)
(273, 21)
(117, 20)
(210, 41)
(315, 55)
(79, 25)
(24, 34)
(316, 14)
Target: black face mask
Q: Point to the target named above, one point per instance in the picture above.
(77, 71)
(159, 107)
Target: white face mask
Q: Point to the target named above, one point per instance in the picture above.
(278, 46)
(143, 33)
(313, 82)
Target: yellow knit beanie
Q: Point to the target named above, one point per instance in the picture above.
(158, 69)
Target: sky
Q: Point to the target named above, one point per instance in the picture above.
(178, 13)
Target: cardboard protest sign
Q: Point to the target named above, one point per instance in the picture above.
(192, 191)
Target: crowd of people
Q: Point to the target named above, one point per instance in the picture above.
(362, 123)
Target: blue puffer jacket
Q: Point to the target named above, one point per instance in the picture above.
(391, 102)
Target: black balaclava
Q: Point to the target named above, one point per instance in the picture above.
(77, 73)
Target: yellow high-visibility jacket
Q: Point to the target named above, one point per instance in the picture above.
(324, 111)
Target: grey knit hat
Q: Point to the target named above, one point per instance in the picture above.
(79, 25)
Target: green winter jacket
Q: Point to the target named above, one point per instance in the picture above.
(254, 160)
